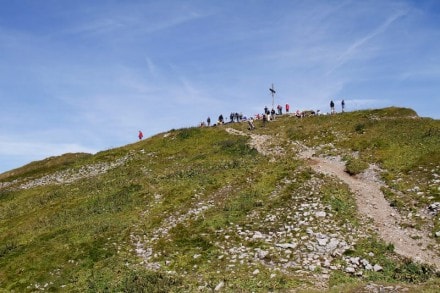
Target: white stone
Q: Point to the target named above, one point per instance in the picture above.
(354, 260)
(350, 270)
(322, 241)
(364, 262)
(333, 244)
(287, 245)
(256, 272)
(320, 214)
(262, 254)
(219, 286)
(377, 268)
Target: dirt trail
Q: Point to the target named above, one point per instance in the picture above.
(370, 202)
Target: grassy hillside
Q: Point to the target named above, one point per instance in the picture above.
(198, 208)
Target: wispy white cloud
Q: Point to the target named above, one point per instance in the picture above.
(168, 23)
(129, 19)
(354, 48)
(96, 26)
(100, 72)
(152, 70)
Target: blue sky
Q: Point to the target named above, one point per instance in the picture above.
(85, 76)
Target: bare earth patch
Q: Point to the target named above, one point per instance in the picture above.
(370, 201)
(372, 204)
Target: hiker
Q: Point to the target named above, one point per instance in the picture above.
(280, 110)
(272, 114)
(266, 110)
(264, 119)
(140, 135)
(332, 107)
(220, 119)
(287, 108)
(208, 121)
(343, 106)
(251, 124)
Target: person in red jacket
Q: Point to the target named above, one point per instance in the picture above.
(287, 108)
(141, 135)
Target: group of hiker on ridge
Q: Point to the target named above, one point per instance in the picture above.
(265, 116)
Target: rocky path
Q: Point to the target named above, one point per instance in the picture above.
(66, 176)
(370, 202)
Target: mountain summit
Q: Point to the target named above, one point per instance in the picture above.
(343, 203)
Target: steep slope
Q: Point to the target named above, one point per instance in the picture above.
(370, 201)
(223, 208)
(372, 204)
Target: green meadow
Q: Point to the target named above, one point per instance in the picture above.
(183, 211)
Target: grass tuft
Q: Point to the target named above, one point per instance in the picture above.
(355, 166)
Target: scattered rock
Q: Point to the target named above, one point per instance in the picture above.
(320, 214)
(287, 245)
(354, 260)
(366, 264)
(322, 241)
(377, 268)
(333, 244)
(262, 254)
(434, 208)
(71, 175)
(219, 286)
